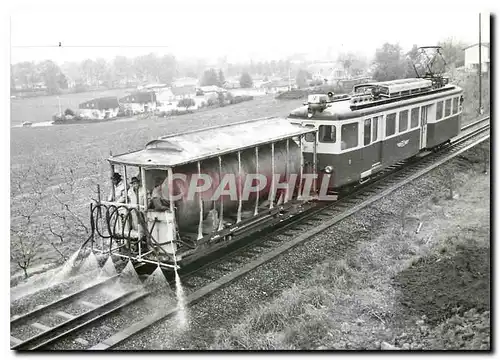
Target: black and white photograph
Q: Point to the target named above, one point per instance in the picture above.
(250, 176)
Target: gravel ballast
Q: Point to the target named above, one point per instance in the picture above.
(227, 306)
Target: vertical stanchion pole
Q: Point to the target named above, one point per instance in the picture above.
(238, 216)
(301, 141)
(143, 185)
(145, 204)
(221, 200)
(200, 202)
(125, 182)
(170, 175)
(256, 211)
(113, 194)
(271, 197)
(287, 171)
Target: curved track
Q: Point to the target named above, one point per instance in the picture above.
(222, 271)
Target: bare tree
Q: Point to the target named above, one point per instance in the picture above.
(43, 217)
(67, 220)
(25, 244)
(25, 229)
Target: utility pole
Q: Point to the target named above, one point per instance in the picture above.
(480, 66)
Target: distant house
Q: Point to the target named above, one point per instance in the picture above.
(278, 86)
(164, 96)
(211, 89)
(182, 92)
(100, 108)
(185, 81)
(71, 82)
(139, 102)
(39, 86)
(258, 83)
(232, 84)
(472, 57)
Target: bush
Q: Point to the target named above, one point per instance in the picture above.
(220, 99)
(69, 112)
(241, 98)
(186, 103)
(211, 102)
(80, 88)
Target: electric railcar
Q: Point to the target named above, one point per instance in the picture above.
(341, 138)
(378, 125)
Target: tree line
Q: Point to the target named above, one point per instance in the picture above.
(123, 71)
(389, 62)
(217, 78)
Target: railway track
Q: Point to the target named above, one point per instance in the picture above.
(228, 258)
(219, 273)
(228, 267)
(51, 322)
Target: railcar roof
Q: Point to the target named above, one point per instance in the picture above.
(341, 110)
(189, 147)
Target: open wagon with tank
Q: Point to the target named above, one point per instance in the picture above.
(201, 190)
(198, 190)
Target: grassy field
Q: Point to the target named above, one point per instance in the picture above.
(41, 108)
(66, 162)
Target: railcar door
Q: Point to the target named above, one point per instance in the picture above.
(376, 126)
(423, 127)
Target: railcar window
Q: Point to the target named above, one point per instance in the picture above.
(455, 105)
(447, 107)
(390, 124)
(349, 135)
(439, 110)
(310, 137)
(327, 133)
(375, 128)
(403, 120)
(367, 131)
(414, 117)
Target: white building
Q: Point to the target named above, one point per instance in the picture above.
(185, 81)
(472, 57)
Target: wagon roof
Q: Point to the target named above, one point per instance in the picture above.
(189, 147)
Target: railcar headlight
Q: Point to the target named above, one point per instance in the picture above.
(328, 169)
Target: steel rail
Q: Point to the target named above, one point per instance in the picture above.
(290, 221)
(14, 321)
(133, 299)
(69, 325)
(465, 127)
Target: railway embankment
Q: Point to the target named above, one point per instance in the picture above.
(397, 289)
(370, 282)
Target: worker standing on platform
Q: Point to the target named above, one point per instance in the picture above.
(119, 189)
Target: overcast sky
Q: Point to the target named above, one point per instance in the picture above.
(252, 30)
